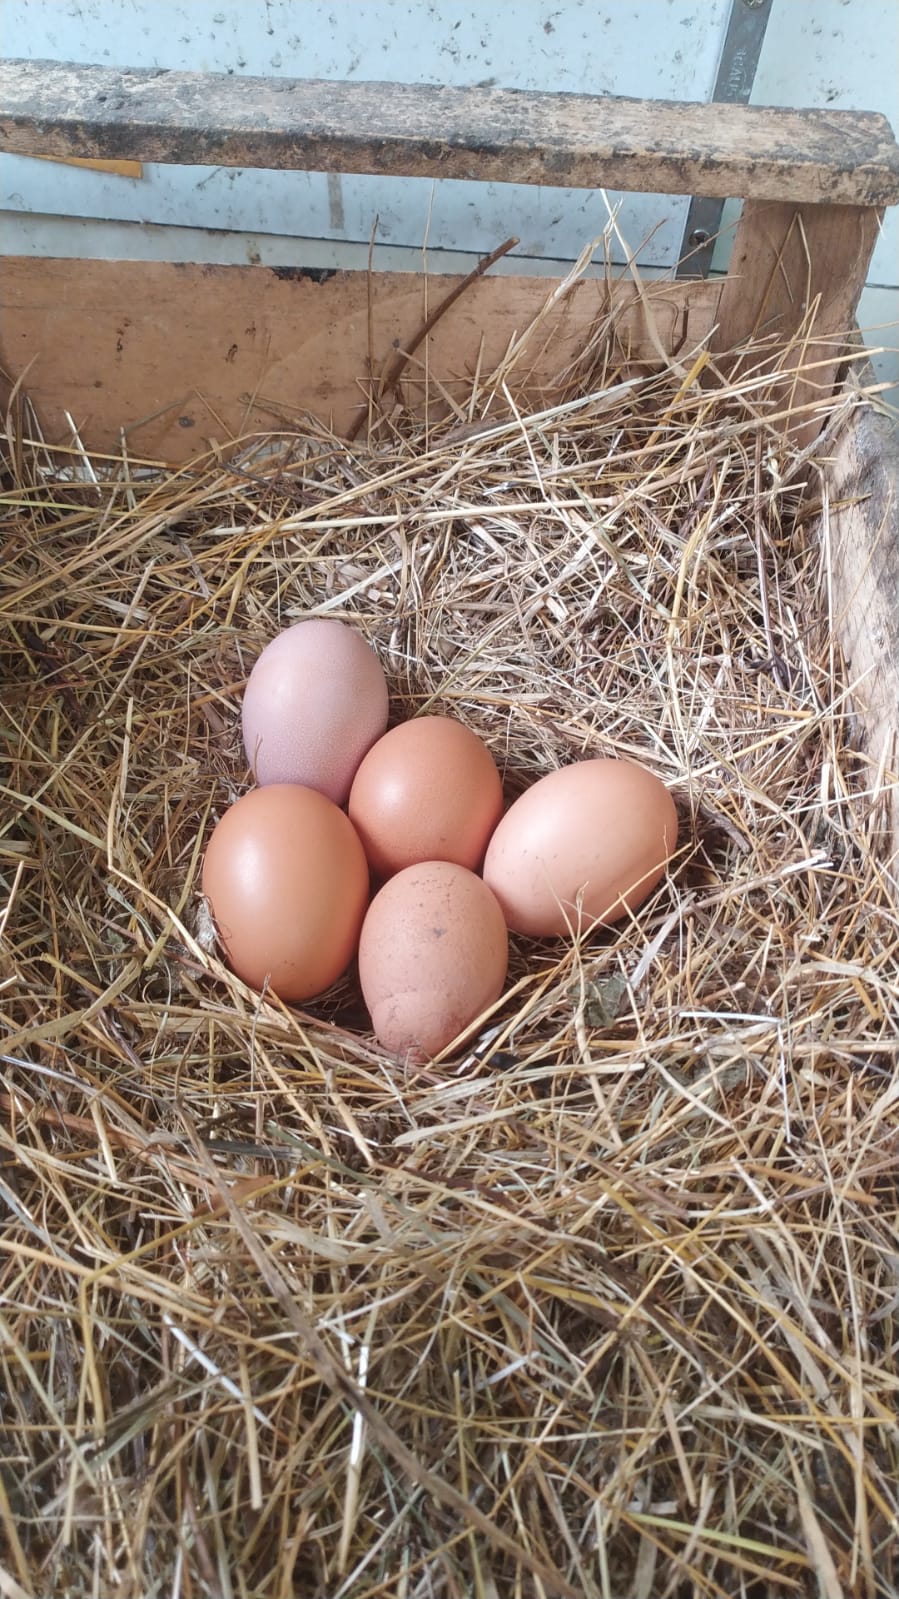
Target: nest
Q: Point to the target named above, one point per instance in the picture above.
(605, 1305)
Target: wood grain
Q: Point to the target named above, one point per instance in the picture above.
(494, 135)
(172, 353)
(795, 269)
(119, 169)
(863, 536)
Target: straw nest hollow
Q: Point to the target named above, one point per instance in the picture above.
(603, 1306)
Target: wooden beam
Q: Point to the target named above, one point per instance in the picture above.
(860, 532)
(784, 258)
(795, 275)
(493, 135)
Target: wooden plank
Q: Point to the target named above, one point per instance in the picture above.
(495, 135)
(171, 352)
(119, 169)
(797, 270)
(862, 535)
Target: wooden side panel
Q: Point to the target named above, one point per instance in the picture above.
(496, 135)
(863, 532)
(177, 355)
(796, 273)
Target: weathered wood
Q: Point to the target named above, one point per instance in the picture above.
(861, 530)
(170, 353)
(792, 269)
(120, 169)
(496, 135)
(784, 258)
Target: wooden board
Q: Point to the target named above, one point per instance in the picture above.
(496, 135)
(119, 169)
(173, 354)
(862, 531)
(796, 274)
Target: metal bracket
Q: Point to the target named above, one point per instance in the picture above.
(737, 67)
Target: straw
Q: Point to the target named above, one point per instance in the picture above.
(602, 1305)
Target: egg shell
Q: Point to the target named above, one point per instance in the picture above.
(315, 702)
(433, 954)
(287, 883)
(605, 829)
(428, 790)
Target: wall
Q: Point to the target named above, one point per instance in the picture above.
(817, 52)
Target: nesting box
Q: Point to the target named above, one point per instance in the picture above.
(605, 1304)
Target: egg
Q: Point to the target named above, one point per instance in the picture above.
(433, 955)
(315, 702)
(600, 829)
(287, 883)
(428, 790)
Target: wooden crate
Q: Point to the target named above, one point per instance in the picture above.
(177, 355)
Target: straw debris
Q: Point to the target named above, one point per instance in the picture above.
(606, 1306)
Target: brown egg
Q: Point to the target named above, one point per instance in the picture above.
(287, 883)
(433, 955)
(428, 790)
(600, 829)
(316, 700)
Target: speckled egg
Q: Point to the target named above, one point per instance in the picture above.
(433, 955)
(428, 790)
(315, 702)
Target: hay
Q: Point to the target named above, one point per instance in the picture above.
(606, 1307)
